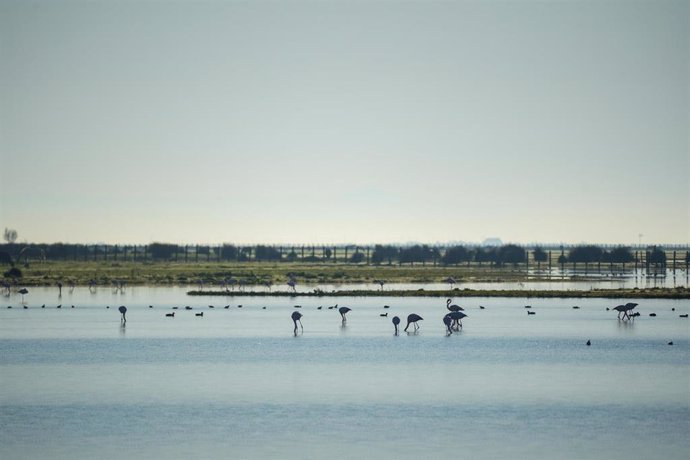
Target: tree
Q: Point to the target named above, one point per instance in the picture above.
(619, 255)
(657, 256)
(228, 252)
(162, 250)
(455, 255)
(512, 254)
(586, 254)
(357, 257)
(539, 256)
(267, 253)
(10, 235)
(382, 253)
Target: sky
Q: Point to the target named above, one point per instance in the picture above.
(345, 121)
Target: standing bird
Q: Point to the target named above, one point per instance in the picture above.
(450, 280)
(396, 321)
(447, 321)
(123, 310)
(342, 311)
(297, 316)
(453, 307)
(412, 319)
(457, 317)
(23, 291)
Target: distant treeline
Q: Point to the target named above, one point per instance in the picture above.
(374, 255)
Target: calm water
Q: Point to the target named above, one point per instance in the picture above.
(238, 384)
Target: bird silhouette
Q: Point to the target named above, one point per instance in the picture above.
(396, 321)
(199, 314)
(123, 310)
(412, 318)
(297, 317)
(456, 317)
(531, 312)
(23, 292)
(384, 315)
(343, 311)
(170, 315)
(589, 343)
(448, 322)
(453, 307)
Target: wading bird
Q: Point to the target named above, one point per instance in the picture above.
(456, 317)
(23, 291)
(412, 319)
(447, 321)
(396, 321)
(123, 310)
(453, 307)
(297, 316)
(342, 311)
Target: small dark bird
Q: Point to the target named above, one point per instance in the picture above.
(384, 315)
(481, 307)
(683, 316)
(43, 306)
(187, 307)
(107, 306)
(59, 306)
(150, 306)
(298, 306)
(211, 306)
(239, 306)
(263, 308)
(412, 319)
(175, 308)
(386, 306)
(226, 307)
(576, 307)
(670, 343)
(528, 306)
(170, 315)
(396, 321)
(123, 310)
(607, 308)
(72, 306)
(343, 311)
(319, 307)
(297, 316)
(10, 306)
(652, 314)
(199, 314)
(589, 343)
(673, 309)
(531, 312)
(25, 307)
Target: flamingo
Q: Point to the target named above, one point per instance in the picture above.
(412, 319)
(342, 311)
(123, 310)
(396, 321)
(23, 291)
(448, 322)
(457, 317)
(297, 316)
(450, 280)
(453, 307)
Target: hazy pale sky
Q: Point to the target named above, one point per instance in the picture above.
(345, 121)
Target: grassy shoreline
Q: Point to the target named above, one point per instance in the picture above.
(651, 293)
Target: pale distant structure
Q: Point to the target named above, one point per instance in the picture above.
(492, 241)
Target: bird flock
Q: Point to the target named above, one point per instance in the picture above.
(452, 320)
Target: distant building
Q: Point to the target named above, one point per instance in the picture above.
(492, 242)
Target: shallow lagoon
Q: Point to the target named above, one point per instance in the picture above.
(237, 383)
